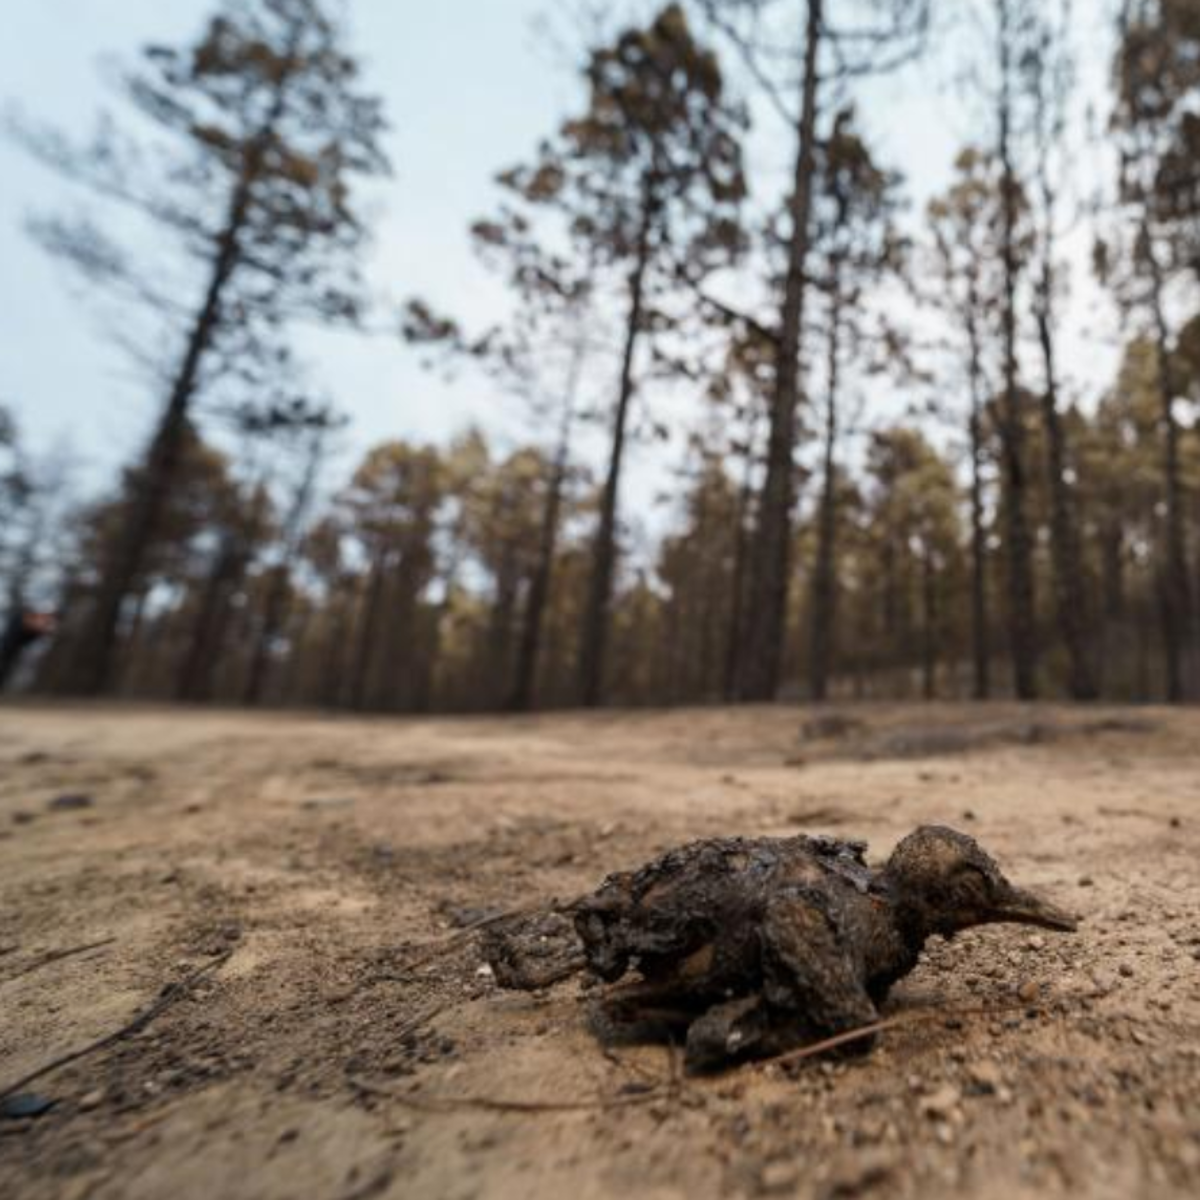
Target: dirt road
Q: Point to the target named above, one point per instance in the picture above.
(301, 863)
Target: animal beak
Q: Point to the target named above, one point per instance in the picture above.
(1024, 908)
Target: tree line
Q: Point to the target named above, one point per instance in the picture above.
(983, 530)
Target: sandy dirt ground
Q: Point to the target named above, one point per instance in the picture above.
(290, 871)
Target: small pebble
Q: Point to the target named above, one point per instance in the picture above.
(25, 1104)
(1126, 970)
(69, 801)
(779, 1177)
(942, 1103)
(986, 1076)
(1028, 991)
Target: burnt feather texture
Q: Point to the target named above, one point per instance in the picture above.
(759, 945)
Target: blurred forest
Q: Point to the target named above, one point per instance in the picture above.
(978, 530)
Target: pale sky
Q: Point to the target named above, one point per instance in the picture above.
(469, 87)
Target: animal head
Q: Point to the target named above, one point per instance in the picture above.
(943, 881)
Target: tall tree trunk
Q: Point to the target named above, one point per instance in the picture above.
(737, 585)
(1113, 639)
(361, 675)
(980, 650)
(1070, 594)
(824, 569)
(1175, 590)
(291, 690)
(710, 621)
(332, 689)
(425, 695)
(501, 620)
(524, 689)
(18, 632)
(194, 680)
(94, 667)
(1019, 547)
(278, 598)
(595, 630)
(929, 630)
(770, 554)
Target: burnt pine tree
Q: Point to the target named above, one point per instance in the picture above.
(1154, 76)
(879, 35)
(263, 130)
(650, 175)
(1011, 24)
(1048, 70)
(543, 356)
(964, 223)
(770, 548)
(308, 428)
(240, 527)
(855, 244)
(538, 355)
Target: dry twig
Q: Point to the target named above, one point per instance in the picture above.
(167, 997)
(920, 1017)
(459, 937)
(54, 956)
(441, 1104)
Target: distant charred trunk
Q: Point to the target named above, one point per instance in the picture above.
(737, 584)
(1176, 604)
(770, 553)
(94, 669)
(1018, 544)
(529, 648)
(194, 680)
(332, 684)
(20, 631)
(1067, 559)
(1070, 594)
(929, 625)
(500, 625)
(980, 650)
(825, 567)
(269, 627)
(279, 583)
(361, 674)
(594, 641)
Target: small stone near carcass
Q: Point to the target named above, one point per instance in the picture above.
(942, 1104)
(25, 1104)
(321, 802)
(779, 1177)
(70, 801)
(858, 1174)
(985, 1077)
